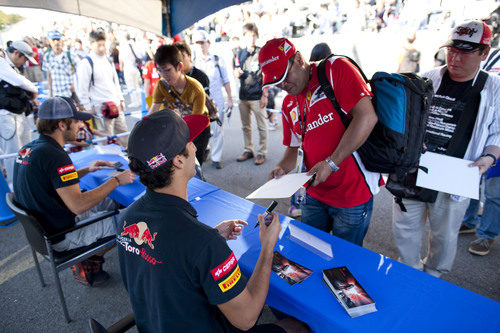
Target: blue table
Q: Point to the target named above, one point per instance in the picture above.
(407, 300)
(126, 194)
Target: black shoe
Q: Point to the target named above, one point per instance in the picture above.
(100, 278)
(466, 230)
(218, 165)
(245, 156)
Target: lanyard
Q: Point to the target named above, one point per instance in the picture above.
(302, 119)
(302, 115)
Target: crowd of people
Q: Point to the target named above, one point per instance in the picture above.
(188, 101)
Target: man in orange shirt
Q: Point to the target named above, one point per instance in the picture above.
(179, 93)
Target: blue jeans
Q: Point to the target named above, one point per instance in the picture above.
(349, 223)
(489, 226)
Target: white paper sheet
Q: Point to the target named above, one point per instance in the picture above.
(109, 150)
(311, 242)
(449, 175)
(284, 187)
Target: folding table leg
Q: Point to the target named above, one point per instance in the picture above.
(37, 265)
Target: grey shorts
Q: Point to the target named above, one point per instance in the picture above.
(91, 233)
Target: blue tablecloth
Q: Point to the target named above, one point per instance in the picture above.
(407, 300)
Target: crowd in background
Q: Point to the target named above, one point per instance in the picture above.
(132, 52)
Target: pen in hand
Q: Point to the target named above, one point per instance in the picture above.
(268, 211)
(310, 181)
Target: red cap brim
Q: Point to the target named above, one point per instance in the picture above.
(196, 123)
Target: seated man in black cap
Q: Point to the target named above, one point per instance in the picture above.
(179, 273)
(46, 184)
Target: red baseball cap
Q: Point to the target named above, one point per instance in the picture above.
(273, 60)
(468, 36)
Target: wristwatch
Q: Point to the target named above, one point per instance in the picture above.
(332, 164)
(493, 157)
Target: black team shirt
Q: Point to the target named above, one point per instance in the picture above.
(175, 269)
(41, 167)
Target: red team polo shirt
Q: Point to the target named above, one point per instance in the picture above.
(352, 184)
(149, 72)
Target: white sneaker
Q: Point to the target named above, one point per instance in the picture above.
(273, 126)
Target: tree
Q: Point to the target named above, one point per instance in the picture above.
(8, 19)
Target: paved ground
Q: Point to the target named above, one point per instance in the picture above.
(26, 307)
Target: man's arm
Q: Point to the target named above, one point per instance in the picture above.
(286, 164)
(154, 108)
(227, 86)
(244, 310)
(93, 166)
(485, 162)
(364, 119)
(263, 98)
(8, 74)
(49, 79)
(147, 84)
(83, 74)
(79, 202)
(199, 99)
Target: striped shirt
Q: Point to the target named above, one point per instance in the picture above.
(61, 69)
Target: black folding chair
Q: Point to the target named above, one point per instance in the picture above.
(40, 242)
(120, 326)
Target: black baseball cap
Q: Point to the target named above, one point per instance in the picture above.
(61, 108)
(158, 138)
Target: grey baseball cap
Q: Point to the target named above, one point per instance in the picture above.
(25, 49)
(61, 108)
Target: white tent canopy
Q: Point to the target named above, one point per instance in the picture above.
(143, 14)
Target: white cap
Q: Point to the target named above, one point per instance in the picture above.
(25, 49)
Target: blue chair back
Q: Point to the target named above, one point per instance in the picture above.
(6, 215)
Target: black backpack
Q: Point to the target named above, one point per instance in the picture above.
(401, 102)
(15, 99)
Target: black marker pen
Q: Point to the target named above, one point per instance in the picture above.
(268, 211)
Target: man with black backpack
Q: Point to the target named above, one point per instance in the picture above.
(216, 70)
(341, 196)
(464, 122)
(16, 95)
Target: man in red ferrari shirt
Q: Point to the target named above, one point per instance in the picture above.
(150, 76)
(341, 196)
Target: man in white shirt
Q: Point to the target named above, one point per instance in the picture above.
(15, 127)
(97, 83)
(128, 55)
(216, 71)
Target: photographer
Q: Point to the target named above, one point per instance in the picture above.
(16, 97)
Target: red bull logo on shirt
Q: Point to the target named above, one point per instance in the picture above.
(22, 155)
(140, 233)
